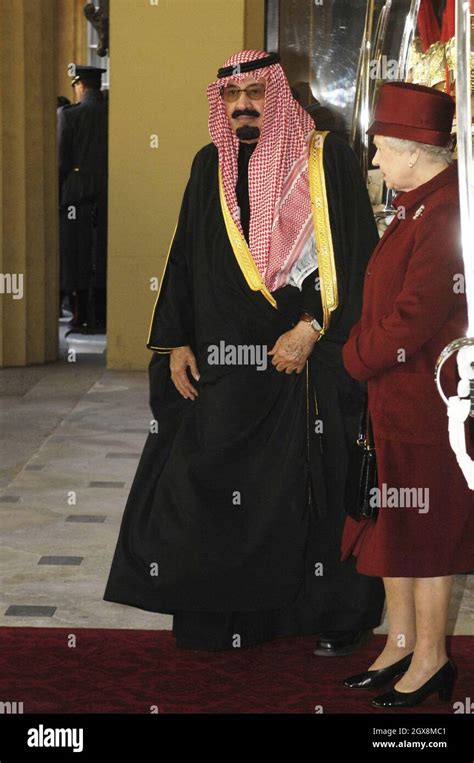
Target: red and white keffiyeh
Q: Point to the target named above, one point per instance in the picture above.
(280, 208)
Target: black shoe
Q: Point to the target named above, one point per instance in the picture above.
(82, 329)
(441, 682)
(340, 643)
(375, 678)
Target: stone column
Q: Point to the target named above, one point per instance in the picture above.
(28, 188)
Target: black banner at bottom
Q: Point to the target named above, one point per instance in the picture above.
(98, 738)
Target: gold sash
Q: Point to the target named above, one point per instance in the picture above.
(322, 228)
(322, 233)
(241, 250)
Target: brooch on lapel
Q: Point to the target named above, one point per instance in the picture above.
(419, 212)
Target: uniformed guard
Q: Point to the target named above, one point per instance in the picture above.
(82, 149)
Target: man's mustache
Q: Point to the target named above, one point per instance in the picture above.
(245, 113)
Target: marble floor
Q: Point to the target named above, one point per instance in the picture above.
(72, 434)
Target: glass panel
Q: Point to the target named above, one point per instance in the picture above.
(320, 45)
(93, 59)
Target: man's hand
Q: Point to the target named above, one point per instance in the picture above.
(293, 348)
(182, 358)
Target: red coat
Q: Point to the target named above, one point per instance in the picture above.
(412, 309)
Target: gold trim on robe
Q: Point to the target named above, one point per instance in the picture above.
(161, 350)
(322, 228)
(241, 250)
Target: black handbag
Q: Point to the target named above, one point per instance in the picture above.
(362, 472)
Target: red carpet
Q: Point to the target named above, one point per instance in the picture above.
(128, 671)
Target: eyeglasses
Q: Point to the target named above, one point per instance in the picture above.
(232, 93)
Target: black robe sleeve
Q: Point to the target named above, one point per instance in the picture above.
(311, 297)
(172, 323)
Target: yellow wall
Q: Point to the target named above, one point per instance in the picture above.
(28, 186)
(162, 58)
(71, 42)
(254, 25)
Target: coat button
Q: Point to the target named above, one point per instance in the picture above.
(368, 273)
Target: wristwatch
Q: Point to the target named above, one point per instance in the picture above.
(308, 318)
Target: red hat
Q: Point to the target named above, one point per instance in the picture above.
(413, 112)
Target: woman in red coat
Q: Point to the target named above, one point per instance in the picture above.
(414, 305)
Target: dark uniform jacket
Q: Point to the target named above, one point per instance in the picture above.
(82, 149)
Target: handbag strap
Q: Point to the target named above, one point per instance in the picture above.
(365, 437)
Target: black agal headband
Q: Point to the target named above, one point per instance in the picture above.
(248, 66)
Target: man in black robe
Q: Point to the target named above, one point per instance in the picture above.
(235, 516)
(82, 160)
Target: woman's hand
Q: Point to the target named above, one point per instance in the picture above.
(182, 358)
(293, 348)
